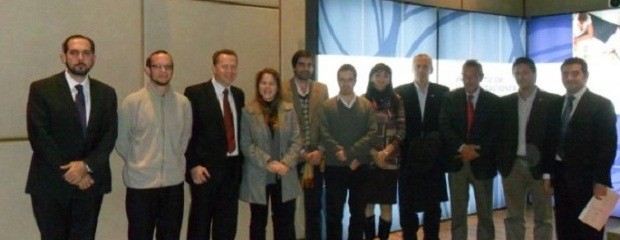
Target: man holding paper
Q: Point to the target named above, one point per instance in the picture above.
(582, 147)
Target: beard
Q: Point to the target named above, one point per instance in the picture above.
(79, 69)
(303, 75)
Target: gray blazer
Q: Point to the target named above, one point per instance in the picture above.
(255, 142)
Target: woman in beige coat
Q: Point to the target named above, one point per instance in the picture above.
(271, 143)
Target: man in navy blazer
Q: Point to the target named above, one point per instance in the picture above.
(422, 181)
(213, 161)
(583, 146)
(469, 122)
(72, 128)
(524, 123)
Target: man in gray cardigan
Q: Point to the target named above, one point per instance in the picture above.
(347, 126)
(155, 124)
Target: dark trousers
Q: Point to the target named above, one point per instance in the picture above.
(313, 199)
(572, 193)
(214, 206)
(410, 221)
(160, 208)
(337, 181)
(283, 216)
(67, 218)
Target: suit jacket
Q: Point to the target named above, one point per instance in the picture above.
(484, 132)
(534, 134)
(422, 172)
(317, 94)
(418, 128)
(207, 145)
(56, 136)
(256, 146)
(589, 143)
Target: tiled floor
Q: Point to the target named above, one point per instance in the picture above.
(612, 225)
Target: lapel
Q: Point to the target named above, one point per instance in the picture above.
(210, 93)
(535, 113)
(582, 107)
(432, 96)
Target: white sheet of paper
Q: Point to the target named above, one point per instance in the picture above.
(597, 211)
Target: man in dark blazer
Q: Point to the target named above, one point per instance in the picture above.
(72, 128)
(422, 180)
(213, 156)
(583, 145)
(469, 122)
(522, 138)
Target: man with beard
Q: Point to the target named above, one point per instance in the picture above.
(307, 96)
(72, 123)
(155, 124)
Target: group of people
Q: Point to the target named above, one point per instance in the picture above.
(291, 140)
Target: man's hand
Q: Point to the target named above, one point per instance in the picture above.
(469, 152)
(547, 188)
(354, 165)
(341, 156)
(314, 157)
(277, 168)
(599, 191)
(75, 171)
(86, 182)
(200, 174)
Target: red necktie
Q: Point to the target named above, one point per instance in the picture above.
(229, 124)
(470, 113)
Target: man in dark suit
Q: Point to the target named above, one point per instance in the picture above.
(422, 180)
(213, 156)
(72, 123)
(522, 138)
(469, 123)
(583, 141)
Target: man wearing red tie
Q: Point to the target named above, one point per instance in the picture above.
(213, 156)
(469, 121)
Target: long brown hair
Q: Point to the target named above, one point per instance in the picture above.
(269, 109)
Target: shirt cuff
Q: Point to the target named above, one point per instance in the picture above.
(546, 176)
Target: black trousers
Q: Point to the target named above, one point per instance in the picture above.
(337, 181)
(215, 204)
(283, 216)
(67, 218)
(313, 206)
(572, 192)
(410, 221)
(154, 208)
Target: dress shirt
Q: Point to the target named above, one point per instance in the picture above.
(577, 96)
(348, 105)
(86, 86)
(421, 98)
(525, 107)
(219, 92)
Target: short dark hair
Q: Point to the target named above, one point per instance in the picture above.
(525, 60)
(348, 67)
(472, 63)
(217, 54)
(301, 54)
(148, 59)
(65, 44)
(576, 60)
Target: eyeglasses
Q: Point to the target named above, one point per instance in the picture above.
(162, 67)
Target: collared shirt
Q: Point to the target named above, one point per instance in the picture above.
(525, 107)
(86, 88)
(219, 92)
(299, 90)
(421, 98)
(348, 105)
(475, 99)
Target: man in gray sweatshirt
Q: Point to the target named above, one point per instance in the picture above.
(154, 129)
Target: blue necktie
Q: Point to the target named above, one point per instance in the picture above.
(568, 108)
(80, 102)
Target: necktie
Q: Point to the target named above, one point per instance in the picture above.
(80, 102)
(470, 113)
(229, 124)
(568, 108)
